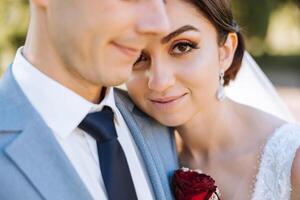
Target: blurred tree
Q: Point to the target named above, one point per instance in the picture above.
(254, 17)
(14, 17)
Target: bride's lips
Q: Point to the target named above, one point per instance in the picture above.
(128, 51)
(168, 102)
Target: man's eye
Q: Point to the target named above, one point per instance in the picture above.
(141, 58)
(183, 47)
(141, 61)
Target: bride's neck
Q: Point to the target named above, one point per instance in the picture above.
(212, 130)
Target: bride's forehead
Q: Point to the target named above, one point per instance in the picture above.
(187, 18)
(184, 11)
(181, 5)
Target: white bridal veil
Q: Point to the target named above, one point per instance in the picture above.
(253, 88)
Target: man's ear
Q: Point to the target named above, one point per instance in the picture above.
(40, 3)
(227, 50)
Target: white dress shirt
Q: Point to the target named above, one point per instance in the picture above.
(63, 110)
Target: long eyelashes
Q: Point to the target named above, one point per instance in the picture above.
(183, 47)
(179, 48)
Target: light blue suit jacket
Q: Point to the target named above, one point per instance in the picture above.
(33, 165)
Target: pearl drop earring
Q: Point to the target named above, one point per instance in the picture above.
(221, 96)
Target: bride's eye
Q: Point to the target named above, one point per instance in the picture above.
(183, 47)
(142, 61)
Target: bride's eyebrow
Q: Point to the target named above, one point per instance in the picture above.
(177, 32)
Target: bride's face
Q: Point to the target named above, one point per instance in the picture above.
(177, 76)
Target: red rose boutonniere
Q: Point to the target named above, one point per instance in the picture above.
(194, 185)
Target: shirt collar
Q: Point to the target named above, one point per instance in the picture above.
(61, 108)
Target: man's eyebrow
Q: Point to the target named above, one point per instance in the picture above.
(182, 29)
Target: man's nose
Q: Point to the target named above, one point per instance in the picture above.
(153, 18)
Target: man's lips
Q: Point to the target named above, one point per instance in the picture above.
(129, 51)
(168, 99)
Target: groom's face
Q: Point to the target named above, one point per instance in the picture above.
(99, 40)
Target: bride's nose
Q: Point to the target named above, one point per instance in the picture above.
(160, 77)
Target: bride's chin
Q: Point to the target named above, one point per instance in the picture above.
(171, 121)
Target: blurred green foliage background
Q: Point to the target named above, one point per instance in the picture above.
(272, 30)
(14, 18)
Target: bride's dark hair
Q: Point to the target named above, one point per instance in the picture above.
(219, 13)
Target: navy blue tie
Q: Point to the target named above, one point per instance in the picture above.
(114, 167)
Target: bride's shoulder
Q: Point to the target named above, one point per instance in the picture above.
(261, 118)
(273, 126)
(261, 122)
(288, 132)
(265, 125)
(290, 127)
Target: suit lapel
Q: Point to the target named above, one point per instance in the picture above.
(34, 150)
(147, 146)
(40, 158)
(155, 138)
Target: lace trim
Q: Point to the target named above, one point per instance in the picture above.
(273, 178)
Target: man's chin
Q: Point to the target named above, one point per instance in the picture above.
(115, 82)
(120, 78)
(110, 77)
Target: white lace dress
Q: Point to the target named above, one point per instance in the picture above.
(273, 181)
